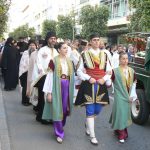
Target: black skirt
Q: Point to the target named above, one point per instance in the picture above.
(86, 94)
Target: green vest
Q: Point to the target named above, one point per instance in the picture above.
(121, 112)
(54, 110)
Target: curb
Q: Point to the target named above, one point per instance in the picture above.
(4, 135)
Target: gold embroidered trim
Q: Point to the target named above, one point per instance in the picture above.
(85, 103)
(127, 82)
(105, 103)
(59, 67)
(78, 64)
(103, 60)
(99, 98)
(88, 98)
(95, 58)
(89, 60)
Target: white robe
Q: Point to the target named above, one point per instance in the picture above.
(32, 61)
(115, 59)
(45, 54)
(75, 58)
(24, 63)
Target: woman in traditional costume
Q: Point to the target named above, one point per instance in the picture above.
(123, 79)
(59, 89)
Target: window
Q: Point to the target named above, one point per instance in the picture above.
(116, 10)
(83, 1)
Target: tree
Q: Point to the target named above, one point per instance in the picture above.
(23, 31)
(94, 19)
(65, 27)
(140, 19)
(4, 6)
(48, 25)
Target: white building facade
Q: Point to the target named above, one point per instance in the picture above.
(33, 12)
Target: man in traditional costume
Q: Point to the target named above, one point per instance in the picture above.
(93, 91)
(59, 89)
(45, 54)
(123, 78)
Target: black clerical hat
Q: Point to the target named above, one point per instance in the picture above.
(49, 35)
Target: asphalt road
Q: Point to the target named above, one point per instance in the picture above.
(27, 134)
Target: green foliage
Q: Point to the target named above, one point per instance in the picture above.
(94, 19)
(65, 26)
(140, 20)
(23, 31)
(48, 25)
(4, 6)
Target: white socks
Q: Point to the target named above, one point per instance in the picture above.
(90, 125)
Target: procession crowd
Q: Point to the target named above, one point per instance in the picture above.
(56, 76)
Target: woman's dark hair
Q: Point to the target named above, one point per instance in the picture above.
(9, 41)
(32, 42)
(122, 53)
(59, 45)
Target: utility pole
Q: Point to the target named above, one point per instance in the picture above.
(73, 26)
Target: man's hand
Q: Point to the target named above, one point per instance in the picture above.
(49, 97)
(130, 100)
(101, 81)
(92, 80)
(40, 71)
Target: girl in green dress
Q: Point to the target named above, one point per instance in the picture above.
(123, 78)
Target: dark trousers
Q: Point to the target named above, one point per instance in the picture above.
(41, 100)
(23, 81)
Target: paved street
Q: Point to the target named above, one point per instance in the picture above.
(27, 134)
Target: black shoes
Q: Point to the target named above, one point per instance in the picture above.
(9, 89)
(45, 122)
(26, 104)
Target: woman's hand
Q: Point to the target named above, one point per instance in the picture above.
(49, 97)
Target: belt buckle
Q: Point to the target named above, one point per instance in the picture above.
(63, 76)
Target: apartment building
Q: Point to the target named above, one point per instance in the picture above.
(33, 12)
(118, 18)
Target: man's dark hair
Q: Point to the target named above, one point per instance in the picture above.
(94, 35)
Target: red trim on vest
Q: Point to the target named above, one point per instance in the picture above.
(95, 73)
